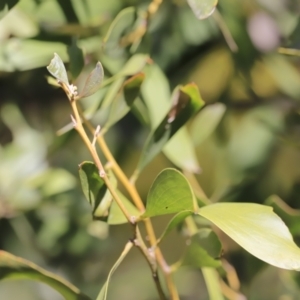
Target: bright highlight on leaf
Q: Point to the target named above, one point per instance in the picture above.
(58, 70)
(13, 267)
(257, 229)
(203, 8)
(169, 193)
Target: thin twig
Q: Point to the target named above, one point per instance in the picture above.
(225, 31)
(93, 152)
(131, 189)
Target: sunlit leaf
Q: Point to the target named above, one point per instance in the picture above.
(58, 70)
(258, 229)
(203, 8)
(206, 122)
(103, 293)
(174, 222)
(94, 189)
(116, 216)
(156, 94)
(186, 102)
(169, 193)
(93, 81)
(13, 267)
(180, 150)
(204, 250)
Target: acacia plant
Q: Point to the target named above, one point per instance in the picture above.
(255, 227)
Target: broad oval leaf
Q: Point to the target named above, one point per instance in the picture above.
(257, 229)
(204, 250)
(94, 189)
(180, 150)
(203, 8)
(207, 121)
(169, 193)
(116, 216)
(14, 267)
(93, 82)
(58, 70)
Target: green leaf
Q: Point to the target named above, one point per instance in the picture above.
(133, 66)
(186, 102)
(212, 281)
(116, 216)
(204, 250)
(58, 70)
(121, 25)
(174, 222)
(94, 189)
(180, 150)
(132, 88)
(203, 8)
(206, 122)
(76, 59)
(93, 82)
(127, 95)
(257, 229)
(169, 193)
(103, 293)
(285, 73)
(140, 111)
(6, 6)
(156, 94)
(13, 267)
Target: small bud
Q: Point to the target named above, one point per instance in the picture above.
(96, 134)
(73, 89)
(73, 121)
(102, 173)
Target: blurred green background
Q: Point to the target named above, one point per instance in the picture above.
(247, 140)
